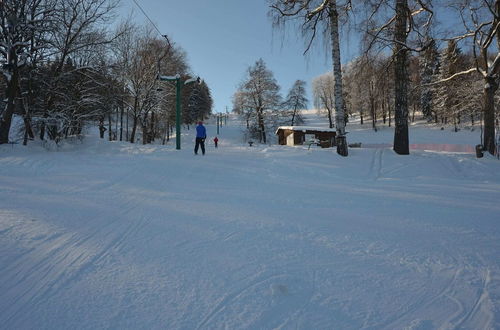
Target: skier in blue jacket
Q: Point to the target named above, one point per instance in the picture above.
(201, 135)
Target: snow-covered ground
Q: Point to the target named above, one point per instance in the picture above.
(113, 235)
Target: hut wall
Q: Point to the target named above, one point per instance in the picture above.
(298, 138)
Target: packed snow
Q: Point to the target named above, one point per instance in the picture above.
(99, 234)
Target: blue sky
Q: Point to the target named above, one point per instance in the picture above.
(223, 38)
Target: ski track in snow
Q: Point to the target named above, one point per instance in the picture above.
(119, 236)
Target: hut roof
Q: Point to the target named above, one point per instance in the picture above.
(306, 128)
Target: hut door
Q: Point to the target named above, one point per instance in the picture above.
(289, 140)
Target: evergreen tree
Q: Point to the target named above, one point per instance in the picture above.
(447, 100)
(429, 69)
(199, 104)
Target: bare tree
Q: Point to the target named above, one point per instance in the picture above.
(242, 107)
(172, 61)
(368, 74)
(296, 100)
(481, 21)
(324, 95)
(142, 81)
(314, 15)
(403, 25)
(258, 96)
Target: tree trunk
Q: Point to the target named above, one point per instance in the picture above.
(117, 118)
(28, 129)
(262, 128)
(126, 132)
(145, 133)
(401, 143)
(12, 84)
(489, 114)
(152, 128)
(42, 129)
(134, 128)
(337, 75)
(121, 121)
(374, 116)
(102, 129)
(168, 131)
(384, 113)
(110, 128)
(25, 139)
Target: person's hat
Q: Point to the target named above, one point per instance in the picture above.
(200, 123)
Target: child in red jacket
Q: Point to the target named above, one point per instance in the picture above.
(215, 141)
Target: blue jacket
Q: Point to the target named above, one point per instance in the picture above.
(201, 132)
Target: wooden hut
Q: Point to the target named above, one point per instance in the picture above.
(299, 135)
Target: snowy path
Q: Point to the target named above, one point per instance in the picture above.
(120, 236)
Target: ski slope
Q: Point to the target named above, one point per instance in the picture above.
(114, 235)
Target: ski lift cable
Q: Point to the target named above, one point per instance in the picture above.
(149, 19)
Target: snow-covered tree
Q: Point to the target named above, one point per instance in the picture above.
(79, 30)
(429, 69)
(22, 25)
(447, 103)
(481, 25)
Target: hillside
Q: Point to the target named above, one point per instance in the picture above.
(113, 235)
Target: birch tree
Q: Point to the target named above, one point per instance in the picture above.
(314, 15)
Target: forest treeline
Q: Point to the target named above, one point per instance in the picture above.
(409, 64)
(64, 68)
(369, 91)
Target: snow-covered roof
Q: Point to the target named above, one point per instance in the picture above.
(306, 128)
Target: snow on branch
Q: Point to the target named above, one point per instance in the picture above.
(317, 10)
(458, 74)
